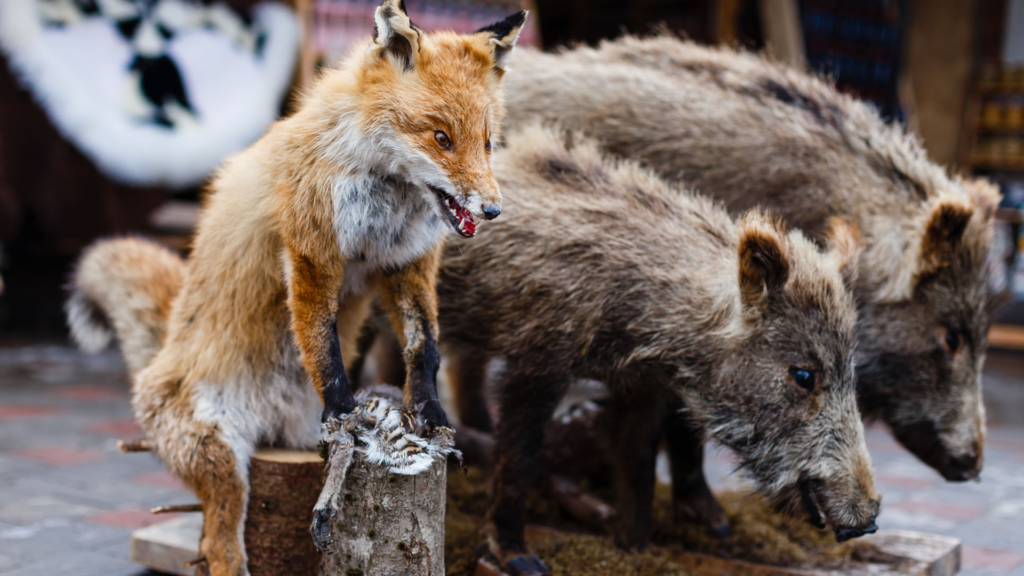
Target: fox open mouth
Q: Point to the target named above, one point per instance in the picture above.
(458, 216)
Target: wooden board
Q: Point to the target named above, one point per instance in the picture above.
(167, 546)
(904, 554)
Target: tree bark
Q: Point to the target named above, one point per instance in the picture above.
(284, 486)
(390, 524)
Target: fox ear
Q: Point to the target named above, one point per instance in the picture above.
(397, 36)
(503, 35)
(945, 228)
(844, 248)
(763, 265)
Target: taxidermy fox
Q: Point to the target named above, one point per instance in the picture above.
(344, 201)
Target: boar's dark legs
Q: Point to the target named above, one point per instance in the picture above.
(692, 500)
(467, 375)
(528, 398)
(638, 419)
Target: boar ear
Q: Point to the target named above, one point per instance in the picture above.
(942, 234)
(844, 248)
(502, 36)
(985, 197)
(396, 35)
(763, 265)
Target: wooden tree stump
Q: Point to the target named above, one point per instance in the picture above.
(391, 524)
(284, 487)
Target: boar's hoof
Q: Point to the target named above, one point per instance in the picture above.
(722, 531)
(844, 534)
(522, 565)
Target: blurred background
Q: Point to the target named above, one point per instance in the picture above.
(89, 149)
(113, 114)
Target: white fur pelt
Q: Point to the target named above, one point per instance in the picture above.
(386, 434)
(80, 66)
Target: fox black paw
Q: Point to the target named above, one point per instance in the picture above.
(337, 410)
(432, 414)
(321, 528)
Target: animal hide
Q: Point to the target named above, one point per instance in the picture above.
(154, 93)
(386, 434)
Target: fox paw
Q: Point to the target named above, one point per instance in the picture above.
(321, 529)
(433, 415)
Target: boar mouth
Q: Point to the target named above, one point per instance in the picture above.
(457, 215)
(809, 500)
(809, 489)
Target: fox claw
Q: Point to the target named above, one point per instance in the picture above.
(433, 415)
(321, 529)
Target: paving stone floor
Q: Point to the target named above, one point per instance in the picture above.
(69, 499)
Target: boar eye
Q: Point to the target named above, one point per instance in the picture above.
(442, 139)
(952, 341)
(803, 378)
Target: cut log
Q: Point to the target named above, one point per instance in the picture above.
(382, 508)
(284, 486)
(390, 524)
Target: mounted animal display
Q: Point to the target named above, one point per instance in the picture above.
(346, 200)
(604, 271)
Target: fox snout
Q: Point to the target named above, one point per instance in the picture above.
(491, 211)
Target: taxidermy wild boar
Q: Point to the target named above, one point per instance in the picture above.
(601, 270)
(751, 132)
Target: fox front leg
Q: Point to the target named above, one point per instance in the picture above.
(313, 299)
(410, 296)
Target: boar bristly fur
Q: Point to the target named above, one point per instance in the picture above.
(743, 129)
(601, 270)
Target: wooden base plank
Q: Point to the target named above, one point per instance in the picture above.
(167, 546)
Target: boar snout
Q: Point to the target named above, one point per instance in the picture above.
(955, 463)
(849, 516)
(844, 534)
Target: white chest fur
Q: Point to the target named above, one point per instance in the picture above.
(382, 222)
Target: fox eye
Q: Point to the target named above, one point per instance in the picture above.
(487, 146)
(803, 378)
(442, 139)
(952, 341)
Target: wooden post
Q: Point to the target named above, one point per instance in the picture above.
(283, 488)
(390, 524)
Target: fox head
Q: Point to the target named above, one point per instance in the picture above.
(432, 105)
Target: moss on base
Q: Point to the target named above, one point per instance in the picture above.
(761, 535)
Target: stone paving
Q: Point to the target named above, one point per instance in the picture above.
(69, 499)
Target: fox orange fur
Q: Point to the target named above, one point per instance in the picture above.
(346, 200)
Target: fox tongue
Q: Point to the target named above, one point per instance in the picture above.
(468, 226)
(465, 220)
